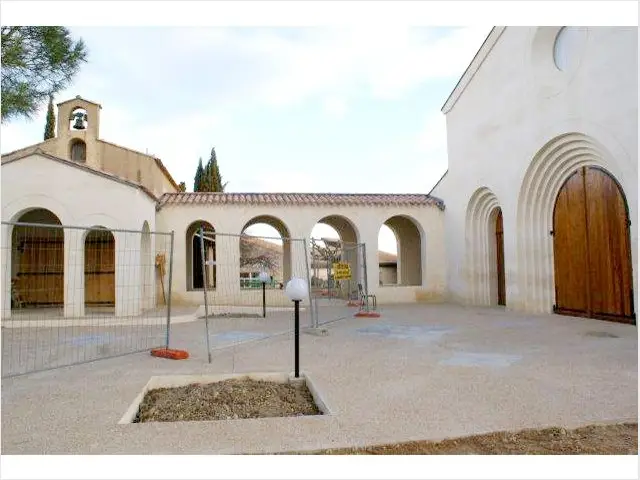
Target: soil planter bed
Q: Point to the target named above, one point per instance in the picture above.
(224, 397)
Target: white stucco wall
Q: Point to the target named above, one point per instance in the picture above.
(516, 103)
(80, 198)
(300, 220)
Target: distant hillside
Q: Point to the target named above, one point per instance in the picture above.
(256, 252)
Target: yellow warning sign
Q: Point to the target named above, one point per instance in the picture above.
(341, 271)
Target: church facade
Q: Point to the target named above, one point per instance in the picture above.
(542, 186)
(535, 212)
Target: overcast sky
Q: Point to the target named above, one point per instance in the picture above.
(319, 109)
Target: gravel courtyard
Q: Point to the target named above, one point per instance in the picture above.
(420, 372)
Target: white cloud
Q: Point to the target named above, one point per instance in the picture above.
(322, 230)
(294, 181)
(385, 62)
(178, 141)
(335, 107)
(387, 240)
(20, 133)
(433, 137)
(331, 67)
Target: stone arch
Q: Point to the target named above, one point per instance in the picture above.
(551, 166)
(194, 277)
(280, 266)
(37, 264)
(147, 267)
(409, 240)
(18, 207)
(346, 228)
(99, 267)
(347, 249)
(480, 225)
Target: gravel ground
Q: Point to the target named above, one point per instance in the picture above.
(227, 400)
(417, 373)
(619, 439)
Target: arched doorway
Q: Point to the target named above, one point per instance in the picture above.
(387, 256)
(37, 261)
(502, 296)
(408, 258)
(100, 268)
(265, 245)
(592, 249)
(195, 278)
(334, 239)
(485, 249)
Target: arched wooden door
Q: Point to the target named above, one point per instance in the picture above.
(592, 249)
(502, 297)
(100, 268)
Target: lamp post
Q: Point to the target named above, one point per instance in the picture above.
(297, 289)
(264, 278)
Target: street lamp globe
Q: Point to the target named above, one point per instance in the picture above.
(296, 289)
(264, 277)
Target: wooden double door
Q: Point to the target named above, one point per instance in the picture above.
(39, 262)
(592, 248)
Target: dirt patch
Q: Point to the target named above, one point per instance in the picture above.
(619, 439)
(227, 400)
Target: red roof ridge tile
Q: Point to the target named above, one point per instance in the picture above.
(261, 198)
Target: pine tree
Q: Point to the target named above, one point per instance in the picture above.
(197, 181)
(37, 62)
(50, 126)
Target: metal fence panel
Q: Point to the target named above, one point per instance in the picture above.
(238, 306)
(78, 294)
(338, 278)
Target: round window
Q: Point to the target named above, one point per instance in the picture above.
(566, 47)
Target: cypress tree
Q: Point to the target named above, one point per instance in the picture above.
(208, 178)
(216, 178)
(197, 181)
(205, 183)
(50, 126)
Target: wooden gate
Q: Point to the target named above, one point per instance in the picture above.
(592, 250)
(99, 268)
(39, 279)
(502, 297)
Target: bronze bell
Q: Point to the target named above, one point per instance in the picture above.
(79, 121)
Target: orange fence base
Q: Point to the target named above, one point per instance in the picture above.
(367, 314)
(169, 353)
(354, 303)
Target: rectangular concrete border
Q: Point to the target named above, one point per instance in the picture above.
(170, 381)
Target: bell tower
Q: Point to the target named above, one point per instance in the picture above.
(78, 128)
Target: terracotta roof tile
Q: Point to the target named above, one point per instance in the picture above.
(387, 257)
(346, 199)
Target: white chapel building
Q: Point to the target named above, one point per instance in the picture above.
(541, 193)
(536, 211)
